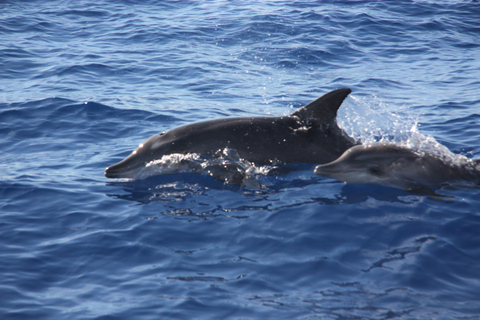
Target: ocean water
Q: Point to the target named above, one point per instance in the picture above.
(82, 83)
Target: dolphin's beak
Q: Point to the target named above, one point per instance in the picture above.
(114, 171)
(318, 170)
(328, 169)
(126, 168)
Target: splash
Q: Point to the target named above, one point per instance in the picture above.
(225, 166)
(370, 120)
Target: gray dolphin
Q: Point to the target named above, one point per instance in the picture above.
(398, 167)
(308, 135)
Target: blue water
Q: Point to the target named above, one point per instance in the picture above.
(82, 83)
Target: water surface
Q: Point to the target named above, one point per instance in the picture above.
(83, 83)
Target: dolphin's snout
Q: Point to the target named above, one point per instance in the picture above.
(124, 169)
(114, 171)
(326, 169)
(317, 170)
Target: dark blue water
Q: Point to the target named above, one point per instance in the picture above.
(82, 83)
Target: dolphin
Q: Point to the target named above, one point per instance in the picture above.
(394, 166)
(308, 135)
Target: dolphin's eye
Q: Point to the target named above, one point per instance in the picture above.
(161, 134)
(375, 170)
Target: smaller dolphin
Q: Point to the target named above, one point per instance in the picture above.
(398, 167)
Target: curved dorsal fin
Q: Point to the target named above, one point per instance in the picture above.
(324, 108)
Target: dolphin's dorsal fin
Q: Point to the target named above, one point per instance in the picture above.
(324, 108)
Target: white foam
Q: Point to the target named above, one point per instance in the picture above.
(370, 120)
(225, 166)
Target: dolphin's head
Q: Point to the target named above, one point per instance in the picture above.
(151, 149)
(379, 164)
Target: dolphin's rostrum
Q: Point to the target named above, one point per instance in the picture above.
(308, 135)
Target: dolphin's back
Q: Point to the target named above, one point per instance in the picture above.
(261, 139)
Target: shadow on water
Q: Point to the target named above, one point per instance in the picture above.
(170, 188)
(304, 185)
(353, 193)
(401, 253)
